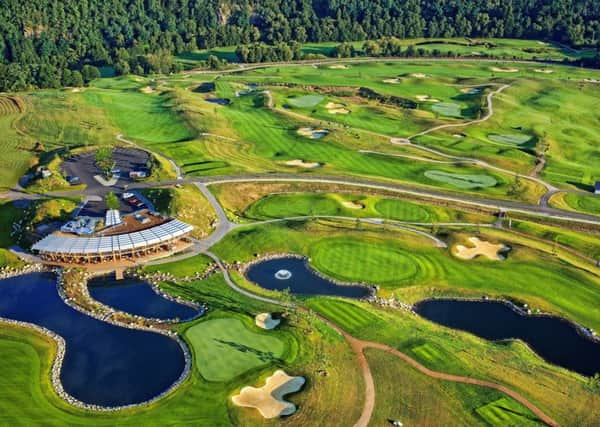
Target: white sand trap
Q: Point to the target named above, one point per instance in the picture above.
(338, 67)
(426, 98)
(504, 70)
(312, 133)
(353, 205)
(76, 89)
(266, 321)
(302, 164)
(400, 141)
(333, 108)
(481, 247)
(392, 81)
(268, 399)
(543, 70)
(591, 81)
(419, 75)
(147, 89)
(458, 135)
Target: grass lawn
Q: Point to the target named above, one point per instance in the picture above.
(183, 268)
(587, 203)
(225, 348)
(415, 399)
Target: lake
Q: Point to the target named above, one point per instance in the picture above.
(104, 364)
(554, 339)
(137, 297)
(302, 279)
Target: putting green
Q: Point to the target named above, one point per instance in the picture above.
(463, 181)
(305, 101)
(353, 260)
(447, 109)
(510, 138)
(226, 348)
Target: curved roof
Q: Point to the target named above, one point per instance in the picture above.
(168, 231)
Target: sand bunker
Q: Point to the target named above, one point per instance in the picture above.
(392, 81)
(353, 205)
(419, 75)
(400, 141)
(481, 247)
(268, 399)
(312, 133)
(504, 70)
(338, 67)
(302, 164)
(591, 81)
(266, 321)
(426, 98)
(147, 89)
(333, 108)
(543, 70)
(336, 109)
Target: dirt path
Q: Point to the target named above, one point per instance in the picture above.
(359, 347)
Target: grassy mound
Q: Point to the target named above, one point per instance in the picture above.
(583, 203)
(510, 138)
(305, 101)
(447, 109)
(225, 348)
(463, 181)
(403, 210)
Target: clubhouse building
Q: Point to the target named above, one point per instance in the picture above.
(133, 238)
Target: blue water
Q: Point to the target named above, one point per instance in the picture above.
(555, 340)
(303, 281)
(137, 297)
(104, 364)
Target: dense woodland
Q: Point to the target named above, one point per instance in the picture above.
(47, 43)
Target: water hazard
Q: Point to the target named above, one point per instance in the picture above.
(137, 297)
(554, 339)
(104, 364)
(301, 279)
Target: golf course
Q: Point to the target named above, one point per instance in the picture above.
(416, 178)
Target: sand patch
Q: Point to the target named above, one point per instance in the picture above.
(338, 67)
(504, 69)
(268, 399)
(419, 75)
(302, 164)
(400, 141)
(426, 98)
(333, 108)
(591, 81)
(481, 247)
(392, 81)
(147, 89)
(458, 135)
(76, 89)
(543, 70)
(353, 205)
(312, 133)
(266, 321)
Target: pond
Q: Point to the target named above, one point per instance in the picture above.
(219, 101)
(295, 273)
(554, 339)
(137, 297)
(104, 364)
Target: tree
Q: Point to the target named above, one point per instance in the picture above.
(104, 160)
(112, 201)
(213, 62)
(89, 73)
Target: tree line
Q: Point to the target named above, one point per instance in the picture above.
(47, 43)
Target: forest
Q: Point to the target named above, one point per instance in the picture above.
(53, 43)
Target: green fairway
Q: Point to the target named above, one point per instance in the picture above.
(465, 181)
(589, 203)
(226, 348)
(447, 109)
(510, 138)
(505, 411)
(183, 268)
(343, 313)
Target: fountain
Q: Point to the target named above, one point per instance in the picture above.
(283, 274)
